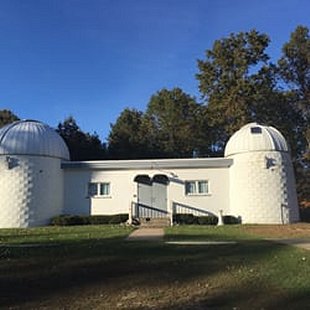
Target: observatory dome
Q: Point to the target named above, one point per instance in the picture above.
(29, 137)
(254, 137)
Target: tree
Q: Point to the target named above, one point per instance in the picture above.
(82, 146)
(174, 125)
(7, 117)
(130, 136)
(294, 69)
(178, 123)
(294, 66)
(227, 82)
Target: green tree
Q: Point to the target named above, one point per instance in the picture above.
(178, 123)
(294, 66)
(7, 117)
(294, 69)
(131, 136)
(82, 146)
(228, 82)
(275, 107)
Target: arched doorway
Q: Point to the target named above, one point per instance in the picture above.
(152, 196)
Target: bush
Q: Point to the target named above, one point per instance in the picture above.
(99, 219)
(69, 220)
(229, 219)
(304, 214)
(65, 220)
(190, 219)
(207, 220)
(186, 219)
(118, 218)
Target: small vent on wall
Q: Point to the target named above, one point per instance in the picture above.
(256, 130)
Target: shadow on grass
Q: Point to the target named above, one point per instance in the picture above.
(243, 298)
(114, 265)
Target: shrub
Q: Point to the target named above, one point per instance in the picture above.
(64, 220)
(207, 220)
(189, 219)
(68, 220)
(99, 219)
(118, 218)
(229, 219)
(186, 219)
(305, 214)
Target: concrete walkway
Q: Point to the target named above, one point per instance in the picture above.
(157, 234)
(300, 243)
(146, 234)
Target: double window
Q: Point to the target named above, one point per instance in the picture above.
(98, 189)
(197, 187)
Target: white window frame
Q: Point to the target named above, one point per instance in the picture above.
(98, 192)
(196, 192)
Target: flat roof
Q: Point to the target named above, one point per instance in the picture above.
(149, 164)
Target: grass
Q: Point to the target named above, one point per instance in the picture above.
(92, 267)
(213, 233)
(67, 234)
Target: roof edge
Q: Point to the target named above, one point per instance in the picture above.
(149, 164)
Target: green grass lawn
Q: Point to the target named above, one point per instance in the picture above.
(92, 267)
(61, 235)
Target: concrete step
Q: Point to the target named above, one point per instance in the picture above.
(149, 222)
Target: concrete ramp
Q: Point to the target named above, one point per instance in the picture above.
(146, 234)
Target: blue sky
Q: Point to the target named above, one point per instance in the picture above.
(91, 59)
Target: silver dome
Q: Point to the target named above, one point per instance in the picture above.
(254, 137)
(29, 137)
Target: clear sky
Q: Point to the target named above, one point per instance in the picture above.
(93, 58)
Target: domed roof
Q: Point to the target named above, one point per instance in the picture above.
(29, 137)
(254, 137)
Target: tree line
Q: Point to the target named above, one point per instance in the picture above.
(238, 84)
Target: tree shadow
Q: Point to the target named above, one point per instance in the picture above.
(38, 274)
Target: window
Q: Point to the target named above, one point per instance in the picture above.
(92, 189)
(256, 130)
(101, 189)
(200, 187)
(104, 189)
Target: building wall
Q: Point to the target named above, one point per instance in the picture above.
(124, 190)
(262, 188)
(217, 199)
(31, 190)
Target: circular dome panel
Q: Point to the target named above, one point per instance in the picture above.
(29, 137)
(254, 137)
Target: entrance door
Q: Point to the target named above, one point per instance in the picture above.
(159, 192)
(152, 196)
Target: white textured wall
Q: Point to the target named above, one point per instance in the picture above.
(123, 190)
(31, 192)
(262, 188)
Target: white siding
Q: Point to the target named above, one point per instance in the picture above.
(124, 189)
(31, 191)
(262, 188)
(218, 197)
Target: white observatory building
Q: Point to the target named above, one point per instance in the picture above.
(31, 179)
(253, 182)
(262, 183)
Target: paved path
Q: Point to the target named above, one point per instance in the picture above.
(146, 234)
(300, 243)
(157, 234)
